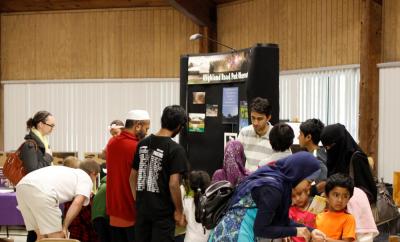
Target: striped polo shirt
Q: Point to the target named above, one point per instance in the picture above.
(256, 148)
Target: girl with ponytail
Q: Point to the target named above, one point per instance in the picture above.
(198, 183)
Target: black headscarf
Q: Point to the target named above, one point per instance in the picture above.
(342, 150)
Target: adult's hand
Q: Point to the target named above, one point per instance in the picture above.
(303, 232)
(179, 219)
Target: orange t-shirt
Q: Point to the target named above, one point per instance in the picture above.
(336, 225)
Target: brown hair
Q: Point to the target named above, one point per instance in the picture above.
(90, 166)
(40, 116)
(71, 161)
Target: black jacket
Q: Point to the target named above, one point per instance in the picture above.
(34, 159)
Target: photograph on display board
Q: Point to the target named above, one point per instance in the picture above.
(199, 97)
(218, 68)
(212, 110)
(196, 122)
(243, 115)
(229, 137)
(230, 104)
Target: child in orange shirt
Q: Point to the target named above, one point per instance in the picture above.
(298, 211)
(336, 223)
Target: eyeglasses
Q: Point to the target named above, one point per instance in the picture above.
(50, 125)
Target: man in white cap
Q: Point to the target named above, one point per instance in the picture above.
(119, 155)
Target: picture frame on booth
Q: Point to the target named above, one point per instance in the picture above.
(229, 137)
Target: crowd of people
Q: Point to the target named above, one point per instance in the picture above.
(149, 192)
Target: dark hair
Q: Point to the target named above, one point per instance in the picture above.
(172, 117)
(314, 128)
(339, 180)
(117, 122)
(90, 166)
(130, 123)
(261, 105)
(281, 137)
(40, 116)
(198, 183)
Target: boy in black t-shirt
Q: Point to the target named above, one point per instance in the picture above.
(156, 170)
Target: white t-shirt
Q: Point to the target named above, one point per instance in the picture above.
(194, 230)
(277, 155)
(63, 182)
(256, 148)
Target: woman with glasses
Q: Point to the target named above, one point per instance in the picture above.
(36, 152)
(345, 156)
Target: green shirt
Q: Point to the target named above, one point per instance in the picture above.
(99, 201)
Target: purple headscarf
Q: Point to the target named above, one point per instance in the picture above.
(233, 168)
(285, 174)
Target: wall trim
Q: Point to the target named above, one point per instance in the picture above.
(388, 64)
(57, 81)
(327, 68)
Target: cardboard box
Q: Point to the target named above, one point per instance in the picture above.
(396, 187)
(3, 157)
(58, 157)
(94, 156)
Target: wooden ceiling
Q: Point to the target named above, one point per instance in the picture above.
(8, 6)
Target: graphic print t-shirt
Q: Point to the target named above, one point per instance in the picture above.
(156, 159)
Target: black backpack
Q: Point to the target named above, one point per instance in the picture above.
(213, 204)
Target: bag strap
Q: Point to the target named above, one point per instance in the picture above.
(28, 141)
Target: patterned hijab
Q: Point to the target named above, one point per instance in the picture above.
(233, 169)
(285, 174)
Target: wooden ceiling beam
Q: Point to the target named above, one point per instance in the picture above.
(202, 12)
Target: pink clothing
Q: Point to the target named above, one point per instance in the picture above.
(359, 207)
(302, 217)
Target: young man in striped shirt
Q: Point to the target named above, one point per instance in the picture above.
(255, 137)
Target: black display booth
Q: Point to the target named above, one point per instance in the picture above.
(255, 73)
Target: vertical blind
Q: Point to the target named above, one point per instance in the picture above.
(332, 95)
(83, 108)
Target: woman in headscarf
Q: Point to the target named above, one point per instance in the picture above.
(233, 169)
(259, 207)
(342, 150)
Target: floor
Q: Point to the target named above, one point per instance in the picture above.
(16, 233)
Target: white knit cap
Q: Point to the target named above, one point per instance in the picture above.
(138, 115)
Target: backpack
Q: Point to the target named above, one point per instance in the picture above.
(13, 168)
(213, 204)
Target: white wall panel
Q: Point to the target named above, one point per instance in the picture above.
(389, 117)
(83, 108)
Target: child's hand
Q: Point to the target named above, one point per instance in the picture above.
(318, 235)
(303, 232)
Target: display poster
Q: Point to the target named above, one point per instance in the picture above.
(218, 68)
(199, 97)
(196, 122)
(229, 137)
(243, 115)
(230, 104)
(212, 110)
